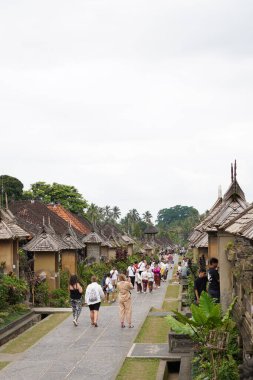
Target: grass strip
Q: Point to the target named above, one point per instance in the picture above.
(138, 369)
(31, 336)
(172, 291)
(170, 305)
(13, 316)
(153, 330)
(3, 364)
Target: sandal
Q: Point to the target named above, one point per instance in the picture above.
(131, 326)
(122, 325)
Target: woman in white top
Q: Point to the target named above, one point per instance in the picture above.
(144, 279)
(93, 295)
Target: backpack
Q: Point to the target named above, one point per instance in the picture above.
(93, 296)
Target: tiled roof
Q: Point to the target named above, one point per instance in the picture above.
(77, 222)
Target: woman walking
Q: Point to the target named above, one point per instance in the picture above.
(157, 275)
(93, 295)
(76, 292)
(125, 302)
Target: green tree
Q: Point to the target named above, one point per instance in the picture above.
(147, 217)
(177, 213)
(66, 195)
(116, 213)
(12, 186)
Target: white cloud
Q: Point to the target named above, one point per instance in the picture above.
(141, 104)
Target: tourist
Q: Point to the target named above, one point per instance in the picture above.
(125, 302)
(138, 281)
(114, 276)
(157, 275)
(214, 279)
(109, 289)
(131, 273)
(93, 296)
(200, 284)
(144, 279)
(150, 278)
(76, 292)
(142, 265)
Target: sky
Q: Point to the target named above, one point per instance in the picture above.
(137, 103)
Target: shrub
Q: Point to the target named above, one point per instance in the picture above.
(59, 298)
(16, 289)
(64, 280)
(41, 294)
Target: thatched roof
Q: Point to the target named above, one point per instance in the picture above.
(150, 229)
(71, 239)
(9, 229)
(242, 225)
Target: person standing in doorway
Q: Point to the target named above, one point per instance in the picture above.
(200, 284)
(93, 296)
(214, 279)
(76, 292)
(125, 302)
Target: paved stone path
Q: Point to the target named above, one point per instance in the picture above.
(84, 352)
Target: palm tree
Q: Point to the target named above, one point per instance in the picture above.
(93, 213)
(147, 217)
(116, 212)
(108, 212)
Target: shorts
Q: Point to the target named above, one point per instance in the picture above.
(95, 306)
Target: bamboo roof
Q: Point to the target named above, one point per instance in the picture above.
(93, 238)
(45, 242)
(242, 225)
(9, 228)
(71, 239)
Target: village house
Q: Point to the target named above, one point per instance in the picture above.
(11, 234)
(232, 204)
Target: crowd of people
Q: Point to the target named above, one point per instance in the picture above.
(145, 277)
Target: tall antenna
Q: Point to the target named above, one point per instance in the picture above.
(232, 173)
(219, 192)
(43, 220)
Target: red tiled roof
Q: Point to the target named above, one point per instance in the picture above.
(70, 218)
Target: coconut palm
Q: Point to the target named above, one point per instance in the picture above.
(147, 217)
(107, 212)
(116, 212)
(93, 213)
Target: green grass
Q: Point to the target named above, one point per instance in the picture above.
(3, 364)
(31, 336)
(170, 305)
(172, 291)
(154, 330)
(138, 369)
(13, 316)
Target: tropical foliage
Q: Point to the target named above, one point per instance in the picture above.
(11, 186)
(215, 336)
(66, 195)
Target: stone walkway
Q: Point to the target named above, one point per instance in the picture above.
(84, 352)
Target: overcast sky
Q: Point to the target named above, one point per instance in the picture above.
(140, 104)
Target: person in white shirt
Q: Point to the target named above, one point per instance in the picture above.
(142, 265)
(150, 278)
(144, 280)
(131, 273)
(114, 276)
(93, 296)
(109, 288)
(138, 281)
